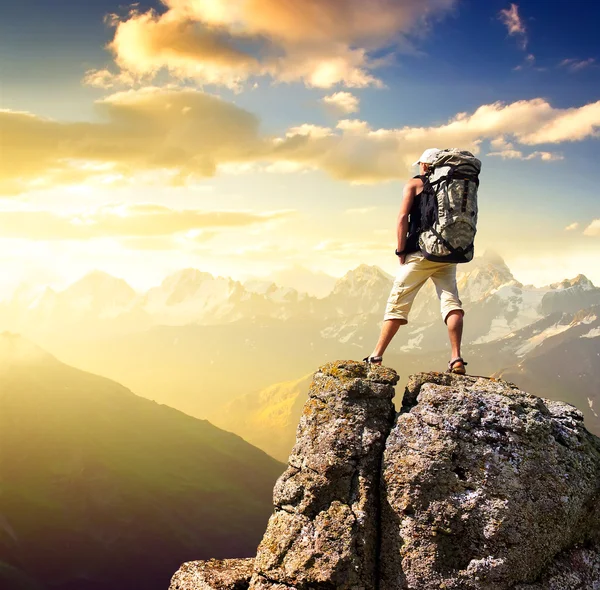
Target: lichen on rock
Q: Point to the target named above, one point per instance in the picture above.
(483, 485)
(225, 574)
(325, 529)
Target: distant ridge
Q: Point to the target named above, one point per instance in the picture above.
(105, 490)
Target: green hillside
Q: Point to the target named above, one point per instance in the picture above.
(102, 489)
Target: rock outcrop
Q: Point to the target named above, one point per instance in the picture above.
(482, 485)
(324, 532)
(476, 486)
(225, 574)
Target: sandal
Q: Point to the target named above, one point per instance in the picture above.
(373, 360)
(458, 370)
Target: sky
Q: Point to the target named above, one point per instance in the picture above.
(244, 137)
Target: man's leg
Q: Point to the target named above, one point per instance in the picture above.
(410, 278)
(454, 321)
(451, 307)
(388, 331)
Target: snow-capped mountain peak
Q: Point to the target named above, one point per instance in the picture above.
(580, 282)
(260, 287)
(364, 276)
(484, 276)
(190, 289)
(272, 291)
(187, 277)
(99, 285)
(571, 295)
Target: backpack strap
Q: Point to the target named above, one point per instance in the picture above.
(424, 178)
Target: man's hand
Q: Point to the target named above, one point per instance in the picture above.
(402, 258)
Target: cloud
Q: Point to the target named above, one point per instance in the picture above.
(560, 125)
(508, 154)
(575, 65)
(147, 42)
(511, 18)
(572, 227)
(343, 101)
(344, 21)
(500, 143)
(361, 154)
(106, 79)
(353, 125)
(186, 131)
(306, 130)
(144, 223)
(529, 63)
(186, 135)
(545, 156)
(512, 154)
(228, 41)
(593, 229)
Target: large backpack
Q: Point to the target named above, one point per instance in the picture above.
(449, 207)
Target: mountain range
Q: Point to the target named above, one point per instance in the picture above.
(208, 345)
(99, 305)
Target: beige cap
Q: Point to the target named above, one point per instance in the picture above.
(428, 156)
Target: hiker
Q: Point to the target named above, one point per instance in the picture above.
(424, 253)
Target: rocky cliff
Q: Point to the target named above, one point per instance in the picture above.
(473, 485)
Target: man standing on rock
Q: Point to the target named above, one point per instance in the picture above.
(414, 271)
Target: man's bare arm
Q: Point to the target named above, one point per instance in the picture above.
(408, 195)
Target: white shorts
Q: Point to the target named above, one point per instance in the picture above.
(411, 276)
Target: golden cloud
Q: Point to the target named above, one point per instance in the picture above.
(145, 223)
(345, 102)
(185, 131)
(593, 229)
(106, 79)
(361, 154)
(227, 41)
(566, 125)
(147, 42)
(348, 21)
(192, 134)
